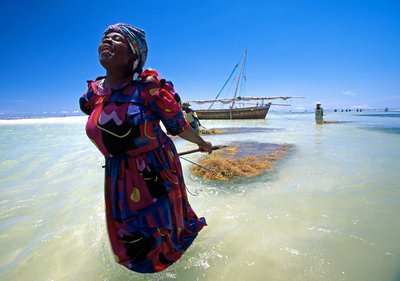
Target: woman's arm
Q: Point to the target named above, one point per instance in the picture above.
(190, 135)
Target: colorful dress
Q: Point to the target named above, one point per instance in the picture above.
(149, 219)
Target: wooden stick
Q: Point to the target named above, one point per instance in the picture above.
(214, 147)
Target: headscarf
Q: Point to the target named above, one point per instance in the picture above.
(136, 38)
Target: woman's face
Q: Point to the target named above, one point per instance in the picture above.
(114, 51)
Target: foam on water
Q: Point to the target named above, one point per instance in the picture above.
(327, 211)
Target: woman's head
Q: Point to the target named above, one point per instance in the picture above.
(136, 40)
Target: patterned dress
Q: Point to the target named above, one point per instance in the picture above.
(149, 219)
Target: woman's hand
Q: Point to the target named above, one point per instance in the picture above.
(190, 135)
(206, 146)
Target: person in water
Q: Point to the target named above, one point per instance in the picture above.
(149, 219)
(191, 117)
(319, 113)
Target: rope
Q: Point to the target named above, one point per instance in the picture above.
(226, 81)
(196, 192)
(198, 165)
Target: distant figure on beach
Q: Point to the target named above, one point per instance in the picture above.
(319, 113)
(191, 117)
(149, 219)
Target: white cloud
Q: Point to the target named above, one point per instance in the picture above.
(360, 106)
(349, 93)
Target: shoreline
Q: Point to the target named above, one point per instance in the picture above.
(83, 118)
(44, 119)
(45, 116)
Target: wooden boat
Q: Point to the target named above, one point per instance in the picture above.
(255, 112)
(258, 111)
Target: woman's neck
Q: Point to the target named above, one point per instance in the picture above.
(113, 80)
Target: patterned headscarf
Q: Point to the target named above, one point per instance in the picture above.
(136, 38)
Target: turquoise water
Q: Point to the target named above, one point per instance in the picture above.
(327, 211)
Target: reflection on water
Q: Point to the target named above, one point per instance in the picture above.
(382, 122)
(388, 130)
(384, 115)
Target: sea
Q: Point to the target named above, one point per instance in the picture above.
(328, 210)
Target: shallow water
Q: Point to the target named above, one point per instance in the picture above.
(327, 211)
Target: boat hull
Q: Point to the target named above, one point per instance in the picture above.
(259, 112)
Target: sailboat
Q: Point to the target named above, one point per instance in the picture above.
(259, 111)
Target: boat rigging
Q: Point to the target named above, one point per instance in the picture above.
(259, 111)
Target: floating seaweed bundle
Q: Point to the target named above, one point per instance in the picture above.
(240, 160)
(214, 131)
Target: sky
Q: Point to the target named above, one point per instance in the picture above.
(343, 53)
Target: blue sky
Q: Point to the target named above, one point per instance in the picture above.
(345, 54)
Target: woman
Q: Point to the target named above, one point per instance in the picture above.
(149, 219)
(319, 113)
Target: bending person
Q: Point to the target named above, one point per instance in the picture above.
(191, 117)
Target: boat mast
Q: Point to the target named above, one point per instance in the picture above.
(240, 76)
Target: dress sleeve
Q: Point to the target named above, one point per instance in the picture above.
(161, 95)
(87, 100)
